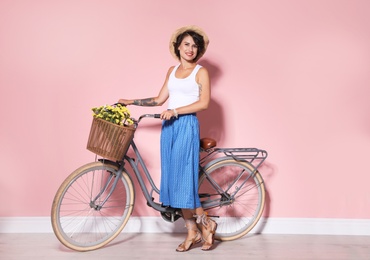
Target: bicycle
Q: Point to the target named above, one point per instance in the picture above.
(95, 202)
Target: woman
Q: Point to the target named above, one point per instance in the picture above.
(187, 88)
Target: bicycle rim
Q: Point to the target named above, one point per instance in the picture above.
(235, 214)
(76, 220)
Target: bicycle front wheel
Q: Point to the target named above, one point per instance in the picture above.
(79, 218)
(234, 195)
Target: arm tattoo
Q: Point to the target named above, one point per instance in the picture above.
(147, 102)
(200, 88)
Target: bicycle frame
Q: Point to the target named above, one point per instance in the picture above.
(252, 156)
(135, 163)
(148, 194)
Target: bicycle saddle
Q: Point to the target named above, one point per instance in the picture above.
(207, 143)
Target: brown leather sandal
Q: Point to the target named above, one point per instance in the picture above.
(188, 243)
(209, 227)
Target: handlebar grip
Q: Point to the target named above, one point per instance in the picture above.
(149, 115)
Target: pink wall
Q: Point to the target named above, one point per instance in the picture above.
(291, 77)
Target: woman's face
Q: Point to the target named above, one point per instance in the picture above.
(188, 49)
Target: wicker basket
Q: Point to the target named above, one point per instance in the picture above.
(109, 140)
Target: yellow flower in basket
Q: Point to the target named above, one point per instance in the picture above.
(118, 114)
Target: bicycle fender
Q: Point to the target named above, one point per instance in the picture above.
(105, 161)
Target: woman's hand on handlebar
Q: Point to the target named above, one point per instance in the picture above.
(167, 114)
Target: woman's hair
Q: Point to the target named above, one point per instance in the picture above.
(198, 40)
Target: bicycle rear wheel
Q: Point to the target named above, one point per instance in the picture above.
(232, 193)
(77, 219)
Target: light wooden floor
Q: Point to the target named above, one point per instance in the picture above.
(162, 246)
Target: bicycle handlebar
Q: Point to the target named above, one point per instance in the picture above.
(149, 115)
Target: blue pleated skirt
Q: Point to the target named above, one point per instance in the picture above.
(180, 162)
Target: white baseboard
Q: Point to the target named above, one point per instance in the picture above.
(321, 226)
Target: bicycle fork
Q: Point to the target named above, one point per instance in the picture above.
(97, 206)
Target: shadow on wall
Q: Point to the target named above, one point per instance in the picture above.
(212, 119)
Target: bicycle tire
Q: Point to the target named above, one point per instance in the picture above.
(235, 216)
(76, 223)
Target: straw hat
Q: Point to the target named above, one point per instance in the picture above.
(181, 30)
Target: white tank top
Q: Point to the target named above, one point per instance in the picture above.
(182, 92)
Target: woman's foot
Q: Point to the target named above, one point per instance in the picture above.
(209, 227)
(188, 243)
(193, 237)
(209, 235)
